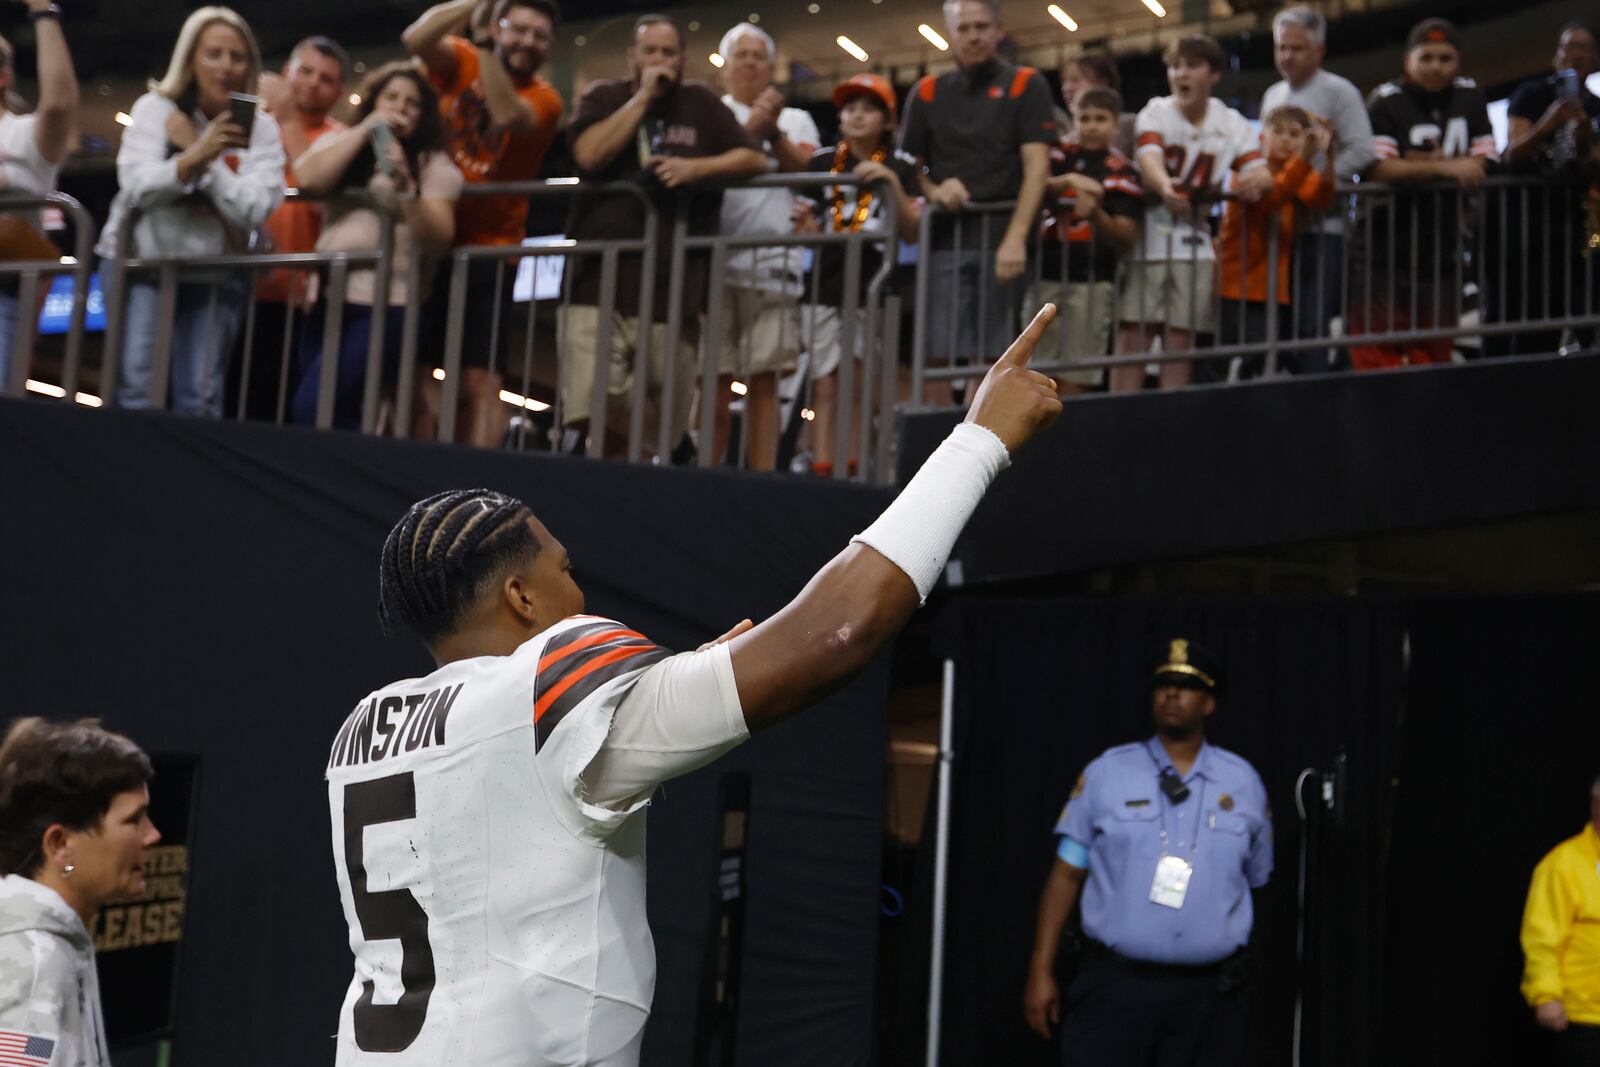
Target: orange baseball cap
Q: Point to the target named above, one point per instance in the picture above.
(873, 85)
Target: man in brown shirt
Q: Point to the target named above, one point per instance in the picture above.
(669, 136)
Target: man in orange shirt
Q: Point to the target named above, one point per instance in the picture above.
(1291, 137)
(299, 99)
(499, 118)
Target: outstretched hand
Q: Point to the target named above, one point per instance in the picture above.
(1013, 401)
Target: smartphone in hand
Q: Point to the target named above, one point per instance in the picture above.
(243, 109)
(382, 137)
(1568, 86)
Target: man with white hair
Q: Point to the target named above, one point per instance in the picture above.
(759, 335)
(1299, 36)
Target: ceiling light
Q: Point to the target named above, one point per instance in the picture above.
(933, 37)
(850, 46)
(716, 59)
(89, 400)
(438, 374)
(355, 99)
(813, 8)
(580, 40)
(1156, 9)
(738, 388)
(694, 27)
(44, 388)
(124, 119)
(1062, 17)
(755, 17)
(808, 414)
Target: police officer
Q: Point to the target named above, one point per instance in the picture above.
(1163, 840)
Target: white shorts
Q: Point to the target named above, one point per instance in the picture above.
(822, 331)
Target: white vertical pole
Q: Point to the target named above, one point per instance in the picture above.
(941, 860)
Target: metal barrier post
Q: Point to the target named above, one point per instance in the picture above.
(332, 335)
(711, 361)
(850, 306)
(455, 323)
(600, 391)
(919, 318)
(373, 382)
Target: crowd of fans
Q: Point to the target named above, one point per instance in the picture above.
(1180, 225)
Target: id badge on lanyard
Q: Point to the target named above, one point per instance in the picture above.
(1171, 884)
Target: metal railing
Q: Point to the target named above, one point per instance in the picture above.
(171, 271)
(28, 273)
(1420, 272)
(1411, 263)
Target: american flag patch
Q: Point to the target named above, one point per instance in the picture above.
(25, 1050)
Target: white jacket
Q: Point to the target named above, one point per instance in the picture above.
(49, 990)
(212, 215)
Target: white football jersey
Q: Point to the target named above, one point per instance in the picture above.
(1199, 159)
(496, 907)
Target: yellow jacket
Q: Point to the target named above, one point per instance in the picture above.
(1561, 929)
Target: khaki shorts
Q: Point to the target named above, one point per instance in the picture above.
(1170, 292)
(822, 329)
(760, 331)
(1087, 314)
(577, 330)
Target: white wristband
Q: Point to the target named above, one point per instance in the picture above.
(918, 531)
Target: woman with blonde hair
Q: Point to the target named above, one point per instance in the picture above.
(75, 833)
(201, 186)
(32, 148)
(395, 152)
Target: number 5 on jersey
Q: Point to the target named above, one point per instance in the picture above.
(391, 914)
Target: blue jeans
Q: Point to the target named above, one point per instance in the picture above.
(202, 341)
(354, 336)
(8, 330)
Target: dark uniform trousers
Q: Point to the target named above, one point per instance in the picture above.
(1119, 1013)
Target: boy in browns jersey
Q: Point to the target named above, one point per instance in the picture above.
(1090, 219)
(1431, 127)
(1189, 143)
(487, 819)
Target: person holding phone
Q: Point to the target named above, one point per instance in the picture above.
(1552, 124)
(199, 183)
(396, 152)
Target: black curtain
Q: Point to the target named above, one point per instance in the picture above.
(1469, 741)
(1502, 744)
(210, 589)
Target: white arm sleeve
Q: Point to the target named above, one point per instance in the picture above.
(681, 714)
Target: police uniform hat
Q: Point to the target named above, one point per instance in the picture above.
(1185, 663)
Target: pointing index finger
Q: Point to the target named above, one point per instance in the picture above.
(1021, 349)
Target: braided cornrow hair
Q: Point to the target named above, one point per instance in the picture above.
(439, 557)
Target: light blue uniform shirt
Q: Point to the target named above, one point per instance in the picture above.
(1113, 827)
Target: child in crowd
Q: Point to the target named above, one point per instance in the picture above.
(867, 151)
(1299, 195)
(1189, 143)
(1090, 219)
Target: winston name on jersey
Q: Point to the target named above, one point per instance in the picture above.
(496, 916)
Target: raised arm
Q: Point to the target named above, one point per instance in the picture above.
(425, 38)
(599, 144)
(58, 88)
(858, 602)
(321, 168)
(506, 109)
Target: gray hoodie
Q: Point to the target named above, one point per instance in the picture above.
(48, 987)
